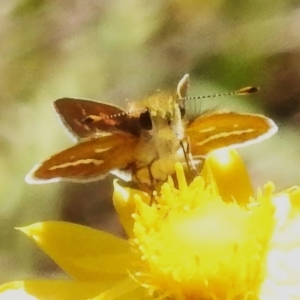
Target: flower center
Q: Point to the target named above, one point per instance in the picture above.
(196, 246)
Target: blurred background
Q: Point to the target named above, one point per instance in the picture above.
(117, 50)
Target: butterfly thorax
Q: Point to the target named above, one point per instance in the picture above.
(159, 148)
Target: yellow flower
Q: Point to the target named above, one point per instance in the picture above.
(210, 239)
(98, 263)
(195, 245)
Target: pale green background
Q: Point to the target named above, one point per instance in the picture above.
(115, 50)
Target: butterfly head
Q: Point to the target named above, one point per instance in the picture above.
(163, 111)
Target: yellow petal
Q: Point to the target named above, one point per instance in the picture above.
(283, 265)
(294, 194)
(225, 170)
(124, 203)
(84, 253)
(52, 289)
(124, 290)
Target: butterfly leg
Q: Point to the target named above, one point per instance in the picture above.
(143, 177)
(188, 155)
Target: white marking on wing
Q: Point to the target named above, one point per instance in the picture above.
(207, 129)
(224, 134)
(101, 150)
(32, 179)
(78, 162)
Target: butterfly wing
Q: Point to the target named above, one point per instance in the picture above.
(87, 161)
(85, 118)
(219, 130)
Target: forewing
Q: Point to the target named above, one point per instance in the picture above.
(219, 130)
(74, 114)
(87, 161)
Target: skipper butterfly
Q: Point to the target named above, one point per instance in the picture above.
(146, 140)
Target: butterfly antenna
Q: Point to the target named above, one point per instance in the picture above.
(241, 92)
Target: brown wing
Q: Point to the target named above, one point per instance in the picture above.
(87, 161)
(84, 118)
(219, 130)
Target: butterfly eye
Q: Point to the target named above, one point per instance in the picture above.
(182, 111)
(145, 120)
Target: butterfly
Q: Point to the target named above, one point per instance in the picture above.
(146, 140)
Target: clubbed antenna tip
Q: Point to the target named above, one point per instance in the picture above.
(241, 92)
(247, 90)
